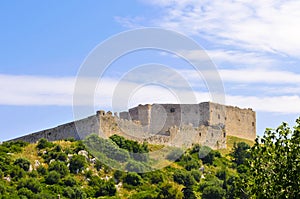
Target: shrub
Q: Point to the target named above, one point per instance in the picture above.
(184, 178)
(22, 163)
(16, 172)
(118, 175)
(196, 175)
(43, 143)
(53, 177)
(168, 190)
(77, 163)
(213, 192)
(31, 184)
(70, 181)
(132, 179)
(41, 170)
(59, 167)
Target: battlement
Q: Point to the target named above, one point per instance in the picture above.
(205, 123)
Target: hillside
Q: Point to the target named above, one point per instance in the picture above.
(65, 168)
(79, 169)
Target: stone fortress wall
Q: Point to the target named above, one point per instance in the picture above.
(168, 124)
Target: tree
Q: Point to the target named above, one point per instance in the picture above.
(241, 151)
(275, 163)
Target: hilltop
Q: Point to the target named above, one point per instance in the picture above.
(66, 168)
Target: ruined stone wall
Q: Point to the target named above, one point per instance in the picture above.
(170, 124)
(58, 133)
(240, 122)
(77, 130)
(163, 116)
(141, 113)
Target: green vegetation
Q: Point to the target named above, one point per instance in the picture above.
(75, 169)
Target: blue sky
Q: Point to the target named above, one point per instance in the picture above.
(254, 45)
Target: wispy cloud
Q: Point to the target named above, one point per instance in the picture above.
(265, 26)
(37, 90)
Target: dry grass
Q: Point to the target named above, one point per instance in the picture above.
(230, 140)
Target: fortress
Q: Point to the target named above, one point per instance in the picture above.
(205, 123)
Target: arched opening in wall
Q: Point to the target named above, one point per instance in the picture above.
(200, 134)
(224, 134)
(172, 110)
(252, 123)
(212, 135)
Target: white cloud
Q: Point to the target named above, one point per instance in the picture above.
(34, 90)
(265, 26)
(254, 76)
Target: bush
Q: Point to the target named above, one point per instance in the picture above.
(213, 192)
(22, 163)
(107, 188)
(132, 179)
(43, 143)
(184, 178)
(31, 184)
(168, 191)
(16, 172)
(53, 177)
(156, 177)
(118, 175)
(196, 175)
(59, 167)
(41, 170)
(77, 163)
(102, 187)
(62, 156)
(70, 181)
(74, 193)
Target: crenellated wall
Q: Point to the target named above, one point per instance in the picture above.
(169, 124)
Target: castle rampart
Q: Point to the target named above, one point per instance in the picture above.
(169, 124)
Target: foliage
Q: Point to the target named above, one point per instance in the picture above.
(132, 178)
(137, 151)
(184, 178)
(213, 192)
(77, 163)
(43, 143)
(275, 163)
(206, 154)
(59, 167)
(22, 163)
(270, 169)
(169, 191)
(53, 177)
(241, 152)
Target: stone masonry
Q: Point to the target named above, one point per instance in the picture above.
(206, 123)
